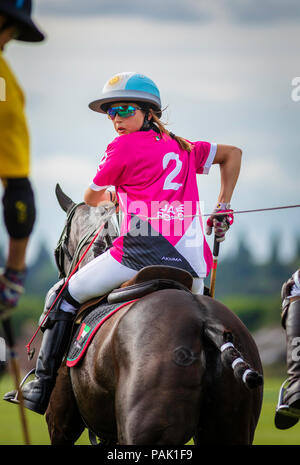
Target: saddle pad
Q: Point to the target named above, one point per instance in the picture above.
(88, 328)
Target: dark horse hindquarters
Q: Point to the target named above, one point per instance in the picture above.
(157, 379)
(163, 369)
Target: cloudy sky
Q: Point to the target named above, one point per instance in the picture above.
(224, 69)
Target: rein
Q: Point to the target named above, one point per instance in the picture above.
(62, 250)
(64, 240)
(83, 242)
(62, 245)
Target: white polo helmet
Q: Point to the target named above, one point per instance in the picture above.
(128, 87)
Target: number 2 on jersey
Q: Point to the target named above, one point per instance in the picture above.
(169, 184)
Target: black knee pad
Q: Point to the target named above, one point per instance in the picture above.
(19, 207)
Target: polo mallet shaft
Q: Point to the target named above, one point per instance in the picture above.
(215, 262)
(214, 267)
(15, 369)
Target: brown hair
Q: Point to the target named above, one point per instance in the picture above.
(184, 144)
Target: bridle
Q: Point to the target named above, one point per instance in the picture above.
(62, 247)
(62, 250)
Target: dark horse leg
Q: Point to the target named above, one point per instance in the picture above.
(233, 408)
(65, 425)
(172, 383)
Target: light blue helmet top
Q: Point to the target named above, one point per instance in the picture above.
(128, 87)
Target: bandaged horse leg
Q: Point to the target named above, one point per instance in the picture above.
(36, 394)
(288, 408)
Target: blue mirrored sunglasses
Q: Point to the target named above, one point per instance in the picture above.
(122, 110)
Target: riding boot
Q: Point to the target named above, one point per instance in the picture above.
(36, 394)
(288, 410)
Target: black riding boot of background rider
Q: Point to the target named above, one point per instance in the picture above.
(36, 394)
(288, 413)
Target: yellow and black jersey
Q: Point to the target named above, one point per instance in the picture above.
(14, 134)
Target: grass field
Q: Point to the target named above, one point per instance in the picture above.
(266, 433)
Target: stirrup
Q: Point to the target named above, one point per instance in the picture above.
(93, 438)
(15, 400)
(285, 416)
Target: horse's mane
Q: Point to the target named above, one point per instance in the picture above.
(82, 223)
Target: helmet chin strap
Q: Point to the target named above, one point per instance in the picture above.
(148, 123)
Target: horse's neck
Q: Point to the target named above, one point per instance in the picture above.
(84, 227)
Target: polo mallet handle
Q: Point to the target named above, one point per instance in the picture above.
(216, 248)
(215, 263)
(15, 368)
(214, 269)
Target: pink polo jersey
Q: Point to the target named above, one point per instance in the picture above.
(156, 185)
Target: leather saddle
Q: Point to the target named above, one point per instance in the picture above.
(151, 279)
(148, 279)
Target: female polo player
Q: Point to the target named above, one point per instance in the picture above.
(154, 174)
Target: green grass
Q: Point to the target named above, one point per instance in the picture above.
(266, 432)
(10, 429)
(11, 433)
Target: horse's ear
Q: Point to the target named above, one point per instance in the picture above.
(64, 201)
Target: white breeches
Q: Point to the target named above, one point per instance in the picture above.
(103, 274)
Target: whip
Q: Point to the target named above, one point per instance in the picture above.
(257, 210)
(234, 212)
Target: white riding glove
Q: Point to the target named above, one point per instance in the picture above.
(221, 223)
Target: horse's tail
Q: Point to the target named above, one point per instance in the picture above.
(232, 358)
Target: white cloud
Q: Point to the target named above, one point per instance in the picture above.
(73, 173)
(268, 175)
(168, 10)
(246, 11)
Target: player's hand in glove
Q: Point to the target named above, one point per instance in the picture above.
(11, 288)
(220, 220)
